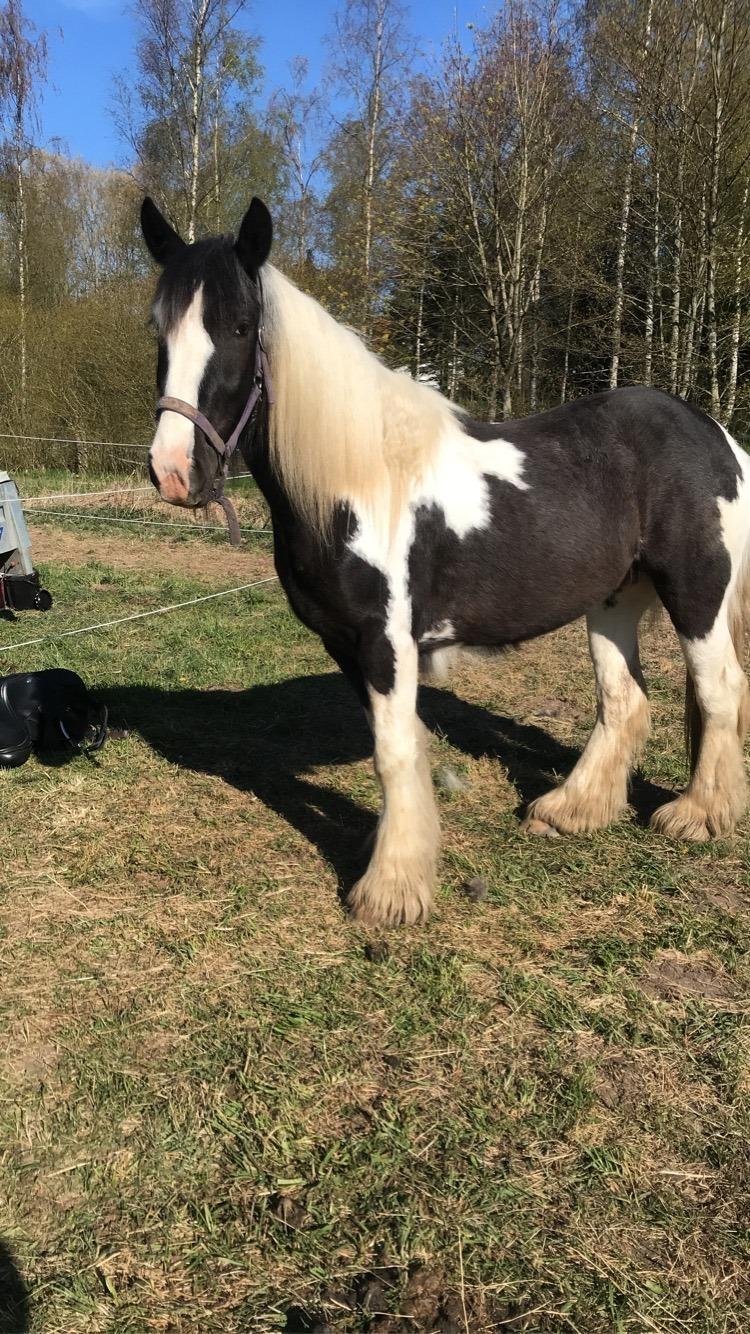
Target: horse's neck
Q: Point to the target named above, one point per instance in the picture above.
(256, 454)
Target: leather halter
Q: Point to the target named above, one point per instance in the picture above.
(225, 449)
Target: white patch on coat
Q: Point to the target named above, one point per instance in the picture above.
(734, 517)
(189, 350)
(443, 630)
(457, 479)
(456, 483)
(436, 665)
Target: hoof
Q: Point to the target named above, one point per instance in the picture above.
(682, 819)
(540, 828)
(390, 898)
(566, 811)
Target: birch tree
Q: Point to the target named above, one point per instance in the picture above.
(23, 64)
(493, 143)
(370, 50)
(194, 69)
(295, 114)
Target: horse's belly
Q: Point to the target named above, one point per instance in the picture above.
(495, 606)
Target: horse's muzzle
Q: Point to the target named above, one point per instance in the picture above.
(175, 490)
(179, 479)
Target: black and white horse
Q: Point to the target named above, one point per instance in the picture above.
(404, 530)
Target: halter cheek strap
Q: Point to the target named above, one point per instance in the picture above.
(225, 449)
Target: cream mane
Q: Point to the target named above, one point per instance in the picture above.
(343, 426)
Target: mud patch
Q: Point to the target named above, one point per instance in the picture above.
(675, 976)
(729, 899)
(389, 1300)
(550, 707)
(619, 1084)
(30, 1063)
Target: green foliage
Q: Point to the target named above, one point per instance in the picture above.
(492, 187)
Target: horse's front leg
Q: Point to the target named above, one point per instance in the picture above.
(398, 883)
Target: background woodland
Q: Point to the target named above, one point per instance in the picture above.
(544, 207)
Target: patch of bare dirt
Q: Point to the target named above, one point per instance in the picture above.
(675, 976)
(729, 899)
(619, 1083)
(28, 1062)
(551, 706)
(164, 555)
(389, 1302)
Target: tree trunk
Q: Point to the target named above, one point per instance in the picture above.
(622, 245)
(419, 332)
(734, 355)
(535, 296)
(372, 132)
(674, 342)
(652, 288)
(624, 226)
(196, 89)
(679, 240)
(22, 285)
(717, 60)
(217, 176)
(569, 322)
(453, 375)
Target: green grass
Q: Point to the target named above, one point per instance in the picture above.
(217, 1113)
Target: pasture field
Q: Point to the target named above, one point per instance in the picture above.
(226, 1109)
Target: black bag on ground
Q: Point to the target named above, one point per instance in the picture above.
(47, 711)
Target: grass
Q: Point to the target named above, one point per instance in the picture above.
(225, 1108)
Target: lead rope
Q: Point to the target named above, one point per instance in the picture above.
(233, 523)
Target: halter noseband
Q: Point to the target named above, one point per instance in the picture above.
(261, 384)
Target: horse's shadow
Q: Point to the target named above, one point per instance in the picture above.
(14, 1295)
(270, 739)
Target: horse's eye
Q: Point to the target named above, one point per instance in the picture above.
(242, 330)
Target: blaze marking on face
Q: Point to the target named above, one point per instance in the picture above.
(189, 350)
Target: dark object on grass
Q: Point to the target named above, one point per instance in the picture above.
(475, 889)
(377, 951)
(47, 711)
(300, 1321)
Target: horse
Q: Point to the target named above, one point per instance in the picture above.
(405, 530)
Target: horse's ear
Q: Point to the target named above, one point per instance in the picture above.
(253, 245)
(161, 239)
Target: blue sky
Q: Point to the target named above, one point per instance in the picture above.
(92, 40)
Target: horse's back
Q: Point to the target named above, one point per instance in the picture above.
(637, 431)
(620, 482)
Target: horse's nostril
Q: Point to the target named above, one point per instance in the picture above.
(152, 474)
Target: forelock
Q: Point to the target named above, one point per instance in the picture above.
(212, 262)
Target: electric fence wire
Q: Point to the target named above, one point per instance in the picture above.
(118, 491)
(146, 523)
(136, 615)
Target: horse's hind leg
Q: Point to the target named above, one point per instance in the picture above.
(716, 795)
(596, 791)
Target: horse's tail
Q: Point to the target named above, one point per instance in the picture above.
(738, 616)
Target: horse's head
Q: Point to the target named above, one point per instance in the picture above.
(206, 314)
